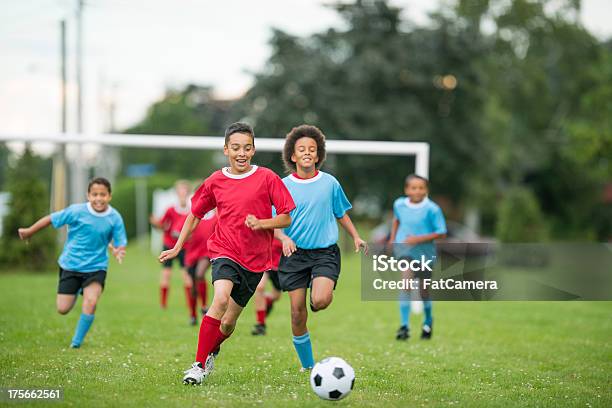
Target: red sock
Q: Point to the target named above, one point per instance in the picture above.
(191, 301)
(209, 339)
(201, 286)
(163, 296)
(261, 316)
(269, 300)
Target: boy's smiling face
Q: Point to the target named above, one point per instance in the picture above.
(305, 153)
(239, 151)
(416, 189)
(99, 197)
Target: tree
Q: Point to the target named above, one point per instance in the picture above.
(29, 202)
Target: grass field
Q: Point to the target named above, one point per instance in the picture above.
(483, 354)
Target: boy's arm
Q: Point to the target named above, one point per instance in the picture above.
(419, 239)
(280, 221)
(155, 222)
(289, 246)
(190, 223)
(348, 226)
(25, 233)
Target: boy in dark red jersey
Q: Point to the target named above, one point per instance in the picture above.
(240, 246)
(197, 260)
(171, 224)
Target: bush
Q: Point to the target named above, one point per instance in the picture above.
(29, 202)
(520, 218)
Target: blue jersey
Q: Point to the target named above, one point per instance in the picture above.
(418, 219)
(319, 201)
(89, 233)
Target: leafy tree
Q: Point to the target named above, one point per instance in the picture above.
(29, 202)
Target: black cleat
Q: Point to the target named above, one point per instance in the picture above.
(427, 332)
(403, 333)
(259, 330)
(193, 321)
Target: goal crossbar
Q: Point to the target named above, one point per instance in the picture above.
(369, 147)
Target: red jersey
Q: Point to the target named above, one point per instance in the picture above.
(235, 197)
(173, 221)
(196, 248)
(277, 251)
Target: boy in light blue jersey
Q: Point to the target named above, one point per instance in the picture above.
(92, 226)
(311, 258)
(417, 222)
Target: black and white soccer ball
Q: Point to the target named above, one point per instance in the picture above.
(332, 378)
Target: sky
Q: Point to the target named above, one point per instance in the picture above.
(135, 49)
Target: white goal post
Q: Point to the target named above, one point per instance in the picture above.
(370, 147)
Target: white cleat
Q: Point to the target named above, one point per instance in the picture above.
(209, 365)
(195, 374)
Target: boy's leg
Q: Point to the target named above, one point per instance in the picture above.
(428, 321)
(201, 268)
(259, 300)
(403, 333)
(301, 337)
(209, 328)
(321, 293)
(65, 303)
(164, 284)
(190, 294)
(91, 294)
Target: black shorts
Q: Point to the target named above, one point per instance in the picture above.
(274, 279)
(180, 258)
(426, 274)
(298, 270)
(70, 283)
(245, 281)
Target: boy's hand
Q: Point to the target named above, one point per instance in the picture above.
(119, 254)
(168, 254)
(252, 222)
(412, 240)
(24, 233)
(359, 244)
(288, 246)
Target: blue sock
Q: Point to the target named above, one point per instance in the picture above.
(304, 350)
(82, 328)
(404, 305)
(427, 309)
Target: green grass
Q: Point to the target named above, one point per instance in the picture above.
(483, 354)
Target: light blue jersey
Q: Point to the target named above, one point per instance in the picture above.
(418, 219)
(319, 202)
(89, 233)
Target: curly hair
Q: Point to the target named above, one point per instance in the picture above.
(297, 133)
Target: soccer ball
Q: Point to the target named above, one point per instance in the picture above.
(332, 378)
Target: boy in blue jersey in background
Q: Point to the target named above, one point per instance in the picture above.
(311, 258)
(417, 223)
(92, 226)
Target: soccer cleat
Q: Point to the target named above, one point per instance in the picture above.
(427, 332)
(210, 363)
(75, 346)
(305, 369)
(195, 374)
(403, 333)
(259, 330)
(193, 321)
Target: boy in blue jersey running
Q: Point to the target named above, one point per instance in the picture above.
(311, 258)
(417, 223)
(84, 261)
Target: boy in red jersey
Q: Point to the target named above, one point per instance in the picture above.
(240, 246)
(171, 224)
(197, 260)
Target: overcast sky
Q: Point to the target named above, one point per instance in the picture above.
(135, 49)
